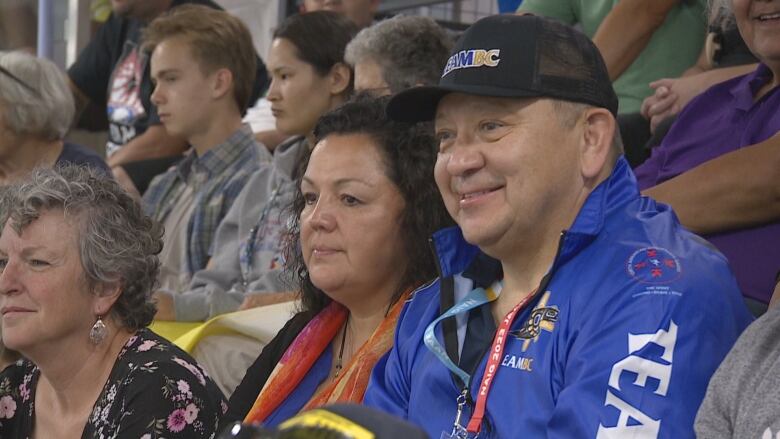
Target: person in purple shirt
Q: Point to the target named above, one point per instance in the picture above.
(718, 166)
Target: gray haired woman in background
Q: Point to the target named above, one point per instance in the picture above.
(398, 53)
(36, 112)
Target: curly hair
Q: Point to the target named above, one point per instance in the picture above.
(117, 241)
(409, 154)
(410, 50)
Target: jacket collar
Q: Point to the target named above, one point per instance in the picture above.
(289, 154)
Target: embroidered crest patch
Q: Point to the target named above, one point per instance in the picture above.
(653, 265)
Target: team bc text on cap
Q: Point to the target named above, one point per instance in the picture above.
(472, 58)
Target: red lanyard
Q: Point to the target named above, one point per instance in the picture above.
(494, 358)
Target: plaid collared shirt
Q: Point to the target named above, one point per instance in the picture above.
(216, 179)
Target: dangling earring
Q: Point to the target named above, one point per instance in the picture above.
(98, 332)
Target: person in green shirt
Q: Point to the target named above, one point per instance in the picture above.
(641, 40)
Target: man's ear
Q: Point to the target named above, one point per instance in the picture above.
(222, 83)
(340, 78)
(597, 132)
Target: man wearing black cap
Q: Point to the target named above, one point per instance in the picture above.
(568, 306)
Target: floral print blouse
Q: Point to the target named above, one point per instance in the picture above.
(155, 390)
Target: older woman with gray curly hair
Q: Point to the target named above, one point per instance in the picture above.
(398, 53)
(36, 112)
(79, 260)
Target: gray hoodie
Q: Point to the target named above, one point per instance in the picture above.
(246, 256)
(743, 397)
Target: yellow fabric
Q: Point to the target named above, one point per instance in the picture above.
(172, 330)
(260, 323)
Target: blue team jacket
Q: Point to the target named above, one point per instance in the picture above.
(635, 318)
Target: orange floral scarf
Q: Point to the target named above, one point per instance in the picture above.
(349, 386)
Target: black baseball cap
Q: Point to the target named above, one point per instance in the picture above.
(515, 56)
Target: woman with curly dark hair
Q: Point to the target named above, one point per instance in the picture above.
(78, 260)
(358, 247)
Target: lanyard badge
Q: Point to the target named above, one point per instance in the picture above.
(474, 299)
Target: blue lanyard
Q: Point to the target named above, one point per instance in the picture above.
(474, 299)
